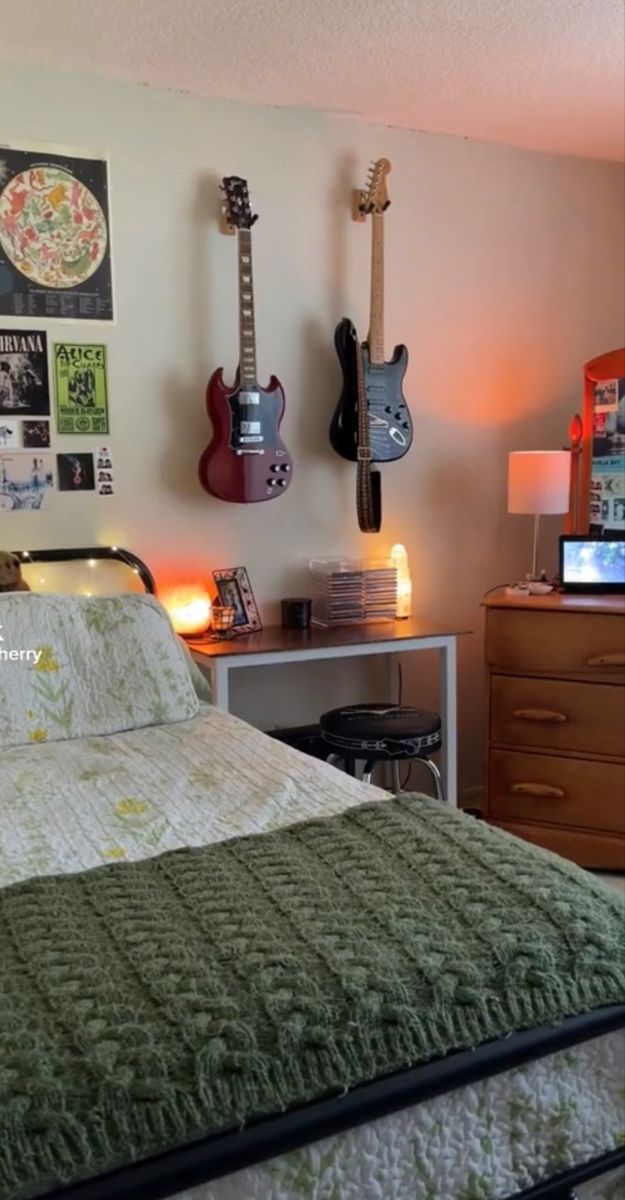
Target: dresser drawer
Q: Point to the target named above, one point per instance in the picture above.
(559, 791)
(580, 645)
(605, 851)
(557, 714)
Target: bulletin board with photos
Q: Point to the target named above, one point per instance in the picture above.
(603, 466)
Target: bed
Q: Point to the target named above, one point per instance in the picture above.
(533, 1114)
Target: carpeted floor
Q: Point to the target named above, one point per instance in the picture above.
(617, 881)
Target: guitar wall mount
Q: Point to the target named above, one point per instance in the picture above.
(358, 205)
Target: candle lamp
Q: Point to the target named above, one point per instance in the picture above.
(223, 618)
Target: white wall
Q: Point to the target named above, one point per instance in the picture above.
(504, 274)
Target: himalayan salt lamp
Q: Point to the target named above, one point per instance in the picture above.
(189, 608)
(399, 560)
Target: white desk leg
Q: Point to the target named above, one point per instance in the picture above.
(220, 683)
(449, 711)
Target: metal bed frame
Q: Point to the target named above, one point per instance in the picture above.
(209, 1158)
(202, 1161)
(75, 554)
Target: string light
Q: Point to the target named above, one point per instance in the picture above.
(92, 563)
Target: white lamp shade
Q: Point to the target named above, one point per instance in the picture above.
(539, 481)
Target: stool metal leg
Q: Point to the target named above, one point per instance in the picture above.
(342, 763)
(368, 772)
(396, 776)
(436, 775)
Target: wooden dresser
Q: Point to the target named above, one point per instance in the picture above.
(556, 723)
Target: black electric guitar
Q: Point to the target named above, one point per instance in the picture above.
(371, 423)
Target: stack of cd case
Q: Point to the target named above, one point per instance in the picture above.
(352, 591)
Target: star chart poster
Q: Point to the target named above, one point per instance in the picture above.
(55, 239)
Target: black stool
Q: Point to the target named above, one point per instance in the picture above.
(383, 733)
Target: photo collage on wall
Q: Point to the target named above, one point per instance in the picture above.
(55, 264)
(607, 483)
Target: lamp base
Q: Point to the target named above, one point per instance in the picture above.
(530, 587)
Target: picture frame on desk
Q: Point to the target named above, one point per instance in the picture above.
(234, 589)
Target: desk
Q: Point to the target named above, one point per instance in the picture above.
(277, 645)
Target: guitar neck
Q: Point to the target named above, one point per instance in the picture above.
(376, 324)
(247, 327)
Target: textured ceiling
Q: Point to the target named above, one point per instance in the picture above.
(547, 74)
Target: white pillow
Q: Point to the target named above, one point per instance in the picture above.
(72, 666)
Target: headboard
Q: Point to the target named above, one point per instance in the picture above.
(86, 570)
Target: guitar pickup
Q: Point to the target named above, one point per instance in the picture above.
(251, 427)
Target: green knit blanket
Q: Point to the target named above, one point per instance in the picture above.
(147, 1004)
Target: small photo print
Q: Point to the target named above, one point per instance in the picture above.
(606, 396)
(76, 473)
(104, 462)
(35, 435)
(105, 476)
(9, 431)
(26, 481)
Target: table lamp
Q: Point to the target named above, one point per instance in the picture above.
(539, 483)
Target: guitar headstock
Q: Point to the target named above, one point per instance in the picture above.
(236, 202)
(375, 195)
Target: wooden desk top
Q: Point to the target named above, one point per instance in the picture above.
(557, 602)
(274, 639)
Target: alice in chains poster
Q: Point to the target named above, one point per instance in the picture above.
(80, 385)
(55, 245)
(24, 390)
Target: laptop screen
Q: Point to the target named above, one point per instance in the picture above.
(593, 561)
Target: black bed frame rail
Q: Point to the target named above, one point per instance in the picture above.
(75, 553)
(210, 1158)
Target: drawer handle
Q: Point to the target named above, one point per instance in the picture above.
(546, 715)
(607, 660)
(538, 789)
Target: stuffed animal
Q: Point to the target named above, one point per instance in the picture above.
(11, 573)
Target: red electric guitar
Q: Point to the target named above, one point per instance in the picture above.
(247, 460)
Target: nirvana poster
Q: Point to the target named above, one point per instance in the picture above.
(24, 390)
(55, 244)
(80, 385)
